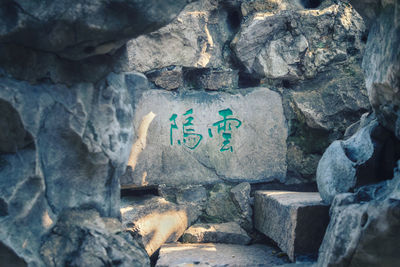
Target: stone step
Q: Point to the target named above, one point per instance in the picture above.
(209, 254)
(296, 221)
(229, 233)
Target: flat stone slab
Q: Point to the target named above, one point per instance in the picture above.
(207, 137)
(154, 220)
(217, 255)
(296, 221)
(229, 233)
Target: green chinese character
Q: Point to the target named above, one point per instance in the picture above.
(225, 126)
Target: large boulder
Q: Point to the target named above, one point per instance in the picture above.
(206, 138)
(381, 64)
(363, 230)
(367, 157)
(195, 38)
(59, 151)
(83, 238)
(298, 44)
(78, 29)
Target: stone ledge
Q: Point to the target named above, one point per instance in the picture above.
(296, 221)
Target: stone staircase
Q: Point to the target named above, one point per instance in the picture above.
(294, 221)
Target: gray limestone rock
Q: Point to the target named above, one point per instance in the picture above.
(297, 44)
(83, 238)
(78, 29)
(228, 233)
(167, 78)
(367, 157)
(182, 138)
(229, 204)
(67, 153)
(296, 221)
(154, 220)
(194, 39)
(333, 101)
(381, 64)
(363, 230)
(215, 255)
(214, 79)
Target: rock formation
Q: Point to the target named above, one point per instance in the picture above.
(197, 102)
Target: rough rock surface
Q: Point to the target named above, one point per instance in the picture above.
(60, 151)
(368, 156)
(228, 233)
(192, 143)
(363, 230)
(79, 29)
(295, 221)
(83, 238)
(217, 255)
(295, 45)
(195, 38)
(333, 102)
(381, 64)
(154, 220)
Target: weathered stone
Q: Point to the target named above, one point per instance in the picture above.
(154, 220)
(208, 152)
(240, 196)
(83, 238)
(333, 101)
(79, 29)
(368, 9)
(367, 157)
(381, 64)
(219, 79)
(228, 233)
(294, 45)
(363, 230)
(249, 7)
(194, 39)
(189, 194)
(217, 255)
(296, 221)
(75, 155)
(167, 78)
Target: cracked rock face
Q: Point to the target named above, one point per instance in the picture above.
(298, 44)
(60, 151)
(194, 39)
(363, 230)
(79, 29)
(206, 138)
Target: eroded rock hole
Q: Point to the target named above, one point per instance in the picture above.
(234, 19)
(311, 3)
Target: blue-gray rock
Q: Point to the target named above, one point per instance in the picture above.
(83, 238)
(363, 230)
(365, 158)
(205, 138)
(227, 233)
(63, 148)
(297, 44)
(381, 64)
(296, 221)
(78, 29)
